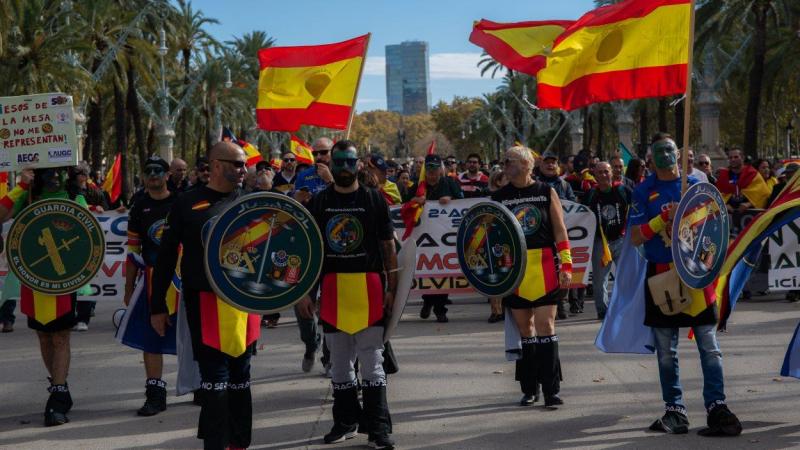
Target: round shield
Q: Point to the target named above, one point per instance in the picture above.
(263, 253)
(491, 249)
(55, 246)
(700, 235)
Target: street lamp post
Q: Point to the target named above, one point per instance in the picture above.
(164, 132)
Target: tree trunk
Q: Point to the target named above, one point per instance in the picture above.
(643, 129)
(94, 133)
(756, 80)
(121, 134)
(587, 128)
(662, 114)
(679, 124)
(599, 148)
(135, 117)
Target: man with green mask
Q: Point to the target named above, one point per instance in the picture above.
(651, 215)
(358, 283)
(53, 332)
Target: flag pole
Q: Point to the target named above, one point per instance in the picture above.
(687, 103)
(358, 85)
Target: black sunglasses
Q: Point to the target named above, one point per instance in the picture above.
(154, 170)
(340, 162)
(236, 163)
(203, 168)
(319, 152)
(289, 159)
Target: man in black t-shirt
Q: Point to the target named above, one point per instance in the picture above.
(359, 257)
(284, 180)
(609, 202)
(441, 188)
(145, 227)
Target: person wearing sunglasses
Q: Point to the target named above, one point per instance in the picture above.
(694, 171)
(284, 180)
(359, 250)
(203, 171)
(317, 177)
(227, 410)
(533, 306)
(145, 227)
(704, 165)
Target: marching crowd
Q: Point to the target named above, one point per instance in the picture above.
(635, 196)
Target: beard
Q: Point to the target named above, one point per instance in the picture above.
(344, 178)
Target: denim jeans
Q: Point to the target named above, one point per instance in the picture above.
(7, 311)
(666, 342)
(600, 273)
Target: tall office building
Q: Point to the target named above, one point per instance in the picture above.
(408, 88)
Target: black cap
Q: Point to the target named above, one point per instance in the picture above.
(378, 162)
(201, 161)
(433, 161)
(156, 160)
(549, 154)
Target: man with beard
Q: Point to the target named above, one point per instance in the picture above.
(203, 171)
(474, 183)
(444, 189)
(318, 177)
(145, 227)
(227, 410)
(741, 185)
(284, 180)
(359, 280)
(609, 203)
(652, 211)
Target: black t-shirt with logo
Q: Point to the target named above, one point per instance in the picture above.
(610, 208)
(531, 206)
(352, 227)
(147, 218)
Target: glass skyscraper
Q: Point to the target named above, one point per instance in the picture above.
(408, 78)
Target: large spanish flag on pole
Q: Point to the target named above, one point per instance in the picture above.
(633, 49)
(520, 46)
(309, 85)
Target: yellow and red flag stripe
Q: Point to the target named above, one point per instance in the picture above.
(173, 292)
(351, 301)
(226, 328)
(540, 274)
(520, 46)
(256, 232)
(633, 49)
(749, 183)
(43, 308)
(113, 182)
(309, 85)
(3, 184)
(201, 205)
(411, 211)
(252, 153)
(301, 150)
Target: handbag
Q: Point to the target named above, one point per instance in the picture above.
(669, 292)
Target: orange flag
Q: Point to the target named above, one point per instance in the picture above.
(113, 181)
(309, 85)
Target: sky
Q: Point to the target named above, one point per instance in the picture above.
(444, 24)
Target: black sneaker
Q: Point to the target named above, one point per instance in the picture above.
(425, 312)
(54, 418)
(340, 433)
(672, 422)
(381, 442)
(442, 318)
(721, 422)
(526, 400)
(151, 407)
(553, 402)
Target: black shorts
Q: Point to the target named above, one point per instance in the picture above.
(514, 301)
(65, 322)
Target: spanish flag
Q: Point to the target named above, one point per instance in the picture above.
(3, 184)
(748, 183)
(540, 274)
(250, 150)
(301, 150)
(43, 308)
(113, 181)
(226, 328)
(351, 301)
(520, 46)
(411, 211)
(275, 163)
(309, 85)
(633, 49)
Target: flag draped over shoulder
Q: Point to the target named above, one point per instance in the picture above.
(748, 183)
(113, 182)
(411, 211)
(742, 254)
(309, 85)
(633, 49)
(520, 46)
(301, 150)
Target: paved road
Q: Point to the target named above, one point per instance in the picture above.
(454, 390)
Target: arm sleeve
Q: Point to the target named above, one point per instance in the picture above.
(638, 211)
(167, 259)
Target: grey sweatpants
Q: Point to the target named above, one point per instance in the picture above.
(366, 345)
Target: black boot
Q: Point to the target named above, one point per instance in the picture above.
(156, 397)
(58, 404)
(721, 422)
(240, 414)
(526, 372)
(549, 369)
(213, 426)
(376, 414)
(561, 310)
(346, 412)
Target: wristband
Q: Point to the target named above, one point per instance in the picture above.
(655, 225)
(14, 195)
(565, 256)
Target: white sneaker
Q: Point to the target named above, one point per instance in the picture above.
(81, 326)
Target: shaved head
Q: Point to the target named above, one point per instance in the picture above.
(227, 161)
(323, 143)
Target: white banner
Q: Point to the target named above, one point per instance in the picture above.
(437, 270)
(784, 252)
(37, 131)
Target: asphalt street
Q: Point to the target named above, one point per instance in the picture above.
(454, 389)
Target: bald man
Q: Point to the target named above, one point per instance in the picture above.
(227, 412)
(177, 181)
(317, 177)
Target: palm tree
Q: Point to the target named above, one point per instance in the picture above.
(188, 33)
